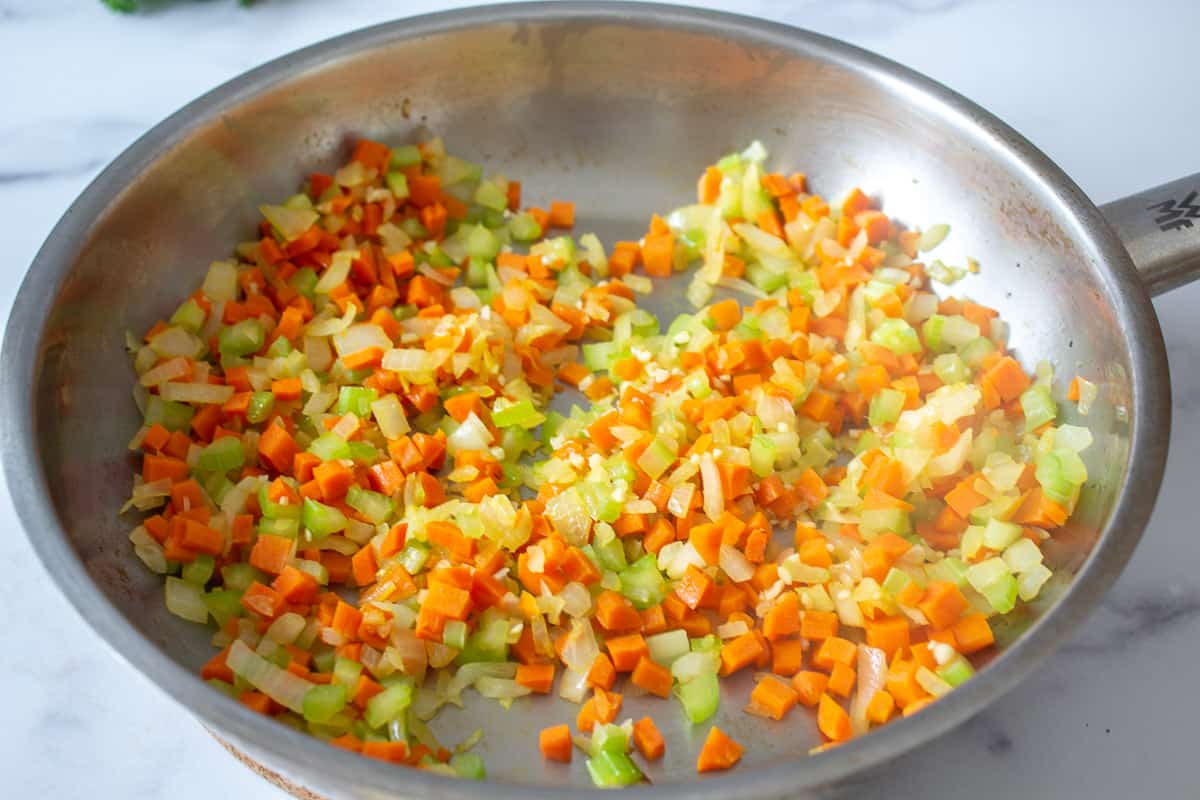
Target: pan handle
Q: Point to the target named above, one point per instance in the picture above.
(1161, 229)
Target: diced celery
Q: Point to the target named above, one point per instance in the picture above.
(363, 451)
(286, 527)
(482, 243)
(1022, 556)
(238, 577)
(223, 604)
(273, 510)
(895, 581)
(405, 155)
(599, 356)
(974, 351)
(356, 400)
(397, 182)
(200, 571)
(609, 738)
(171, 415)
(323, 701)
(346, 671)
(314, 568)
(642, 583)
(322, 520)
(372, 505)
(952, 570)
(763, 453)
(279, 348)
(999, 535)
(957, 672)
(700, 697)
(1002, 595)
(599, 501)
(610, 769)
(1038, 406)
(261, 406)
(389, 704)
(610, 555)
(667, 646)
(521, 413)
(455, 634)
(951, 369)
(189, 316)
(986, 573)
(896, 335)
(489, 195)
(764, 278)
(489, 642)
(657, 458)
(330, 447)
(524, 228)
(619, 469)
(414, 556)
(885, 407)
(242, 338)
(876, 521)
(223, 455)
(1060, 472)
(304, 281)
(469, 766)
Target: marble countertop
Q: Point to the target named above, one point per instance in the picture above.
(1104, 87)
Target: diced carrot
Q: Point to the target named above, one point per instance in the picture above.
(809, 686)
(648, 739)
(973, 633)
(832, 720)
(602, 674)
(740, 652)
(555, 743)
(272, 553)
(626, 651)
(880, 707)
(718, 753)
(786, 657)
(539, 678)
(654, 678)
(616, 614)
(772, 698)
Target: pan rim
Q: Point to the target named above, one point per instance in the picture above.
(19, 372)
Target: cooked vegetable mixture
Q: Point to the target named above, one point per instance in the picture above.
(839, 485)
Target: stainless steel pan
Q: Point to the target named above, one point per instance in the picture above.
(617, 106)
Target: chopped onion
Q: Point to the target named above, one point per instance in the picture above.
(280, 685)
(573, 686)
(872, 673)
(714, 494)
(735, 564)
(359, 337)
(472, 434)
(580, 649)
(166, 371)
(196, 393)
(330, 325)
(577, 600)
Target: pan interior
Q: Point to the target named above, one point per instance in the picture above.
(621, 117)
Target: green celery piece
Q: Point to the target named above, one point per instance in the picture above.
(389, 704)
(223, 455)
(287, 527)
(397, 182)
(700, 697)
(322, 520)
(896, 335)
(304, 281)
(241, 339)
(273, 510)
(323, 701)
(468, 765)
(609, 769)
(356, 400)
(455, 634)
(522, 414)
(199, 571)
(346, 671)
(885, 407)
(170, 414)
(957, 672)
(414, 556)
(223, 604)
(189, 316)
(238, 577)
(330, 447)
(279, 348)
(405, 155)
(609, 738)
(372, 505)
(642, 583)
(261, 406)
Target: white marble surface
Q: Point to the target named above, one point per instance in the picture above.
(1106, 88)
